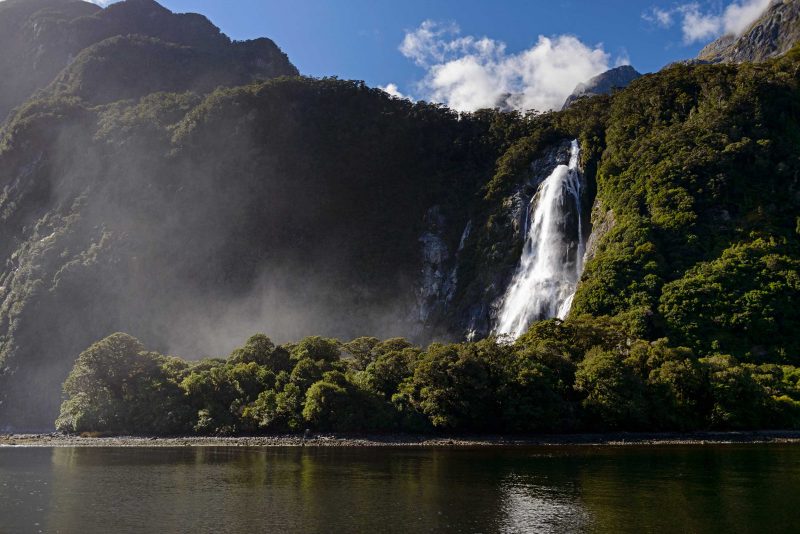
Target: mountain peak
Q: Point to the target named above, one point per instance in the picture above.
(773, 34)
(610, 80)
(73, 43)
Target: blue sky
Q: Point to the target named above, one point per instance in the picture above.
(360, 39)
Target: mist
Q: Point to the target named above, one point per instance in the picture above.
(193, 217)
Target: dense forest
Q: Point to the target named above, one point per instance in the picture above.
(579, 375)
(162, 180)
(686, 317)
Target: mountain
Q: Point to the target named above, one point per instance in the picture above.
(603, 84)
(136, 187)
(304, 216)
(772, 35)
(160, 179)
(40, 38)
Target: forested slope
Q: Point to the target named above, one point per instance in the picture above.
(700, 171)
(162, 180)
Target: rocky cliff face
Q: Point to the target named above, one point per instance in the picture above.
(603, 84)
(773, 34)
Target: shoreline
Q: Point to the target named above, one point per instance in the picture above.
(617, 439)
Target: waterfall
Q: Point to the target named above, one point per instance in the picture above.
(544, 282)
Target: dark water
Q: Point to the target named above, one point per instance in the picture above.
(742, 488)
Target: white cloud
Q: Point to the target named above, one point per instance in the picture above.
(469, 73)
(739, 16)
(661, 17)
(393, 90)
(703, 25)
(622, 59)
(427, 43)
(697, 26)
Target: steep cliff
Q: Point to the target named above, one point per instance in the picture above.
(772, 35)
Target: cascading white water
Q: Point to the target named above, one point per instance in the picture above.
(552, 259)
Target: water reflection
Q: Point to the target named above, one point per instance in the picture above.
(531, 507)
(731, 489)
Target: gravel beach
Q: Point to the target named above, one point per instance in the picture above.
(399, 440)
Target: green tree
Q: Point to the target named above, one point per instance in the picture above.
(392, 365)
(334, 403)
(739, 400)
(116, 386)
(360, 352)
(451, 385)
(317, 348)
(261, 350)
(676, 385)
(613, 393)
